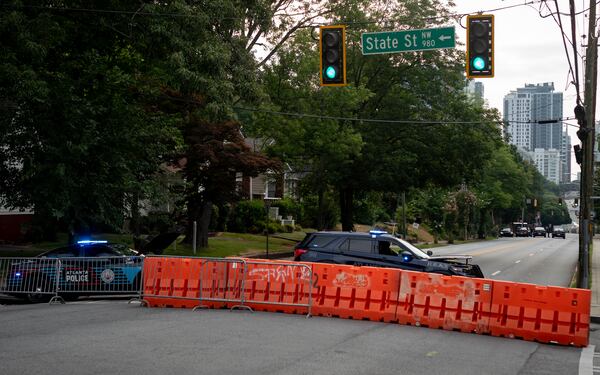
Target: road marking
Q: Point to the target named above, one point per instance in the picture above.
(586, 360)
(518, 261)
(495, 273)
(532, 254)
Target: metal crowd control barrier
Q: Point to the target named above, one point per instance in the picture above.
(226, 282)
(56, 279)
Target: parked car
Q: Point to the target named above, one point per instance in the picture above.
(539, 231)
(506, 232)
(89, 267)
(559, 232)
(522, 232)
(379, 249)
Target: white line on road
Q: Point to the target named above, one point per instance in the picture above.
(518, 261)
(586, 361)
(495, 273)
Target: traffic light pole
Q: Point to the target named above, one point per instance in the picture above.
(586, 134)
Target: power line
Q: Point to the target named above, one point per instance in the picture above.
(367, 120)
(170, 14)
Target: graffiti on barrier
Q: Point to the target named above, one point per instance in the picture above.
(280, 273)
(345, 279)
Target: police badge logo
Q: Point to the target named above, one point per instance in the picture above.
(107, 276)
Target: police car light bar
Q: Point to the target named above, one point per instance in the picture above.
(375, 232)
(91, 242)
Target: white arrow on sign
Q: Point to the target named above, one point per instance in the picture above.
(444, 37)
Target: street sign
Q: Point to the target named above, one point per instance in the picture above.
(409, 40)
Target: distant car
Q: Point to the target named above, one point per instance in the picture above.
(522, 232)
(89, 267)
(539, 231)
(506, 232)
(559, 232)
(379, 249)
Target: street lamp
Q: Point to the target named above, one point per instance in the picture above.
(268, 202)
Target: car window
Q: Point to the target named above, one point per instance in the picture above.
(99, 251)
(400, 245)
(321, 241)
(385, 248)
(359, 245)
(63, 252)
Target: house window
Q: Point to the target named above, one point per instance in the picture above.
(271, 188)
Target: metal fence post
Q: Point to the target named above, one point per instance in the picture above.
(56, 297)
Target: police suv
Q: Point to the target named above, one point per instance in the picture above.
(379, 249)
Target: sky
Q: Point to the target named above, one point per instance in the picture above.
(529, 49)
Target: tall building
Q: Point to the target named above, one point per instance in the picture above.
(524, 108)
(548, 162)
(475, 89)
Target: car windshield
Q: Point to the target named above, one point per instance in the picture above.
(399, 245)
(123, 250)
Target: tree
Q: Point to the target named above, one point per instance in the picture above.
(77, 136)
(216, 153)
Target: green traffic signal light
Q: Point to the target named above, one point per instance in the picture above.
(478, 63)
(330, 72)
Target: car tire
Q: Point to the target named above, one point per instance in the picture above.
(42, 286)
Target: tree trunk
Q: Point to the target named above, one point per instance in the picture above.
(481, 231)
(346, 206)
(320, 210)
(135, 214)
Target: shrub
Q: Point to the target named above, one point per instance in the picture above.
(247, 216)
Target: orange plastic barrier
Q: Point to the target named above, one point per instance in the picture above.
(527, 311)
(350, 292)
(171, 282)
(448, 302)
(277, 286)
(541, 313)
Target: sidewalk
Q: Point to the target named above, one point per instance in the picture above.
(595, 310)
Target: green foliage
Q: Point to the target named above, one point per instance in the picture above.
(246, 215)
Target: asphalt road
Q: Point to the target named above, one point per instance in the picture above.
(113, 337)
(539, 260)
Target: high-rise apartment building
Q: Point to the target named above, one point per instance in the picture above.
(524, 108)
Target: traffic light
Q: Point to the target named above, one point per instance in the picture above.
(578, 154)
(333, 55)
(480, 46)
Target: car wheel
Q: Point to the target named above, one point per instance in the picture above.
(42, 288)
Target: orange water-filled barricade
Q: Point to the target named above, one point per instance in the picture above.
(447, 302)
(527, 311)
(540, 313)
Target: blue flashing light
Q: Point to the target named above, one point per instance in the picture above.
(90, 242)
(406, 258)
(478, 63)
(378, 232)
(17, 274)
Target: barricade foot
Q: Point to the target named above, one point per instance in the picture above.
(200, 307)
(56, 300)
(240, 307)
(136, 299)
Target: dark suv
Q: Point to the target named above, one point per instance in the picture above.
(379, 249)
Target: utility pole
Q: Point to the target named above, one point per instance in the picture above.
(586, 135)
